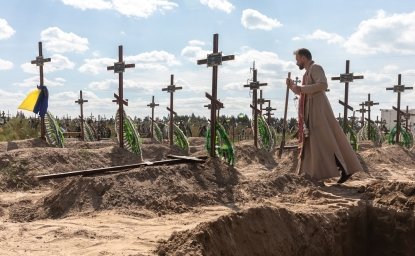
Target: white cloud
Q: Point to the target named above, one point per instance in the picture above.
(194, 51)
(154, 59)
(103, 85)
(89, 4)
(58, 62)
(130, 8)
(388, 34)
(196, 43)
(253, 19)
(266, 62)
(142, 8)
(34, 80)
(330, 38)
(222, 5)
(6, 30)
(96, 66)
(59, 41)
(5, 64)
(382, 34)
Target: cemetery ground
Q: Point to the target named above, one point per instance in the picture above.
(257, 207)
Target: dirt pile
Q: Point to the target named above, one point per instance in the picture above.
(392, 195)
(33, 157)
(388, 154)
(161, 189)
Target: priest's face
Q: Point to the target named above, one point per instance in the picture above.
(301, 60)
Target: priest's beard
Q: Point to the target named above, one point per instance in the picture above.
(300, 66)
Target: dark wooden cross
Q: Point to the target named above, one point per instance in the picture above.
(362, 110)
(346, 78)
(152, 105)
(399, 88)
(261, 101)
(378, 122)
(214, 60)
(119, 68)
(219, 104)
(339, 118)
(171, 89)
(268, 111)
(353, 119)
(81, 102)
(254, 86)
(39, 61)
(407, 116)
(369, 104)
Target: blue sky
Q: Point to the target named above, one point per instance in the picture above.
(164, 37)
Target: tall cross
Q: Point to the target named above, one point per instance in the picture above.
(152, 105)
(369, 104)
(399, 88)
(119, 68)
(39, 61)
(171, 89)
(346, 78)
(254, 86)
(81, 101)
(214, 60)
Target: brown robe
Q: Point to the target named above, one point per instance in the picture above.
(326, 140)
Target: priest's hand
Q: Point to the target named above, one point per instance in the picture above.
(295, 88)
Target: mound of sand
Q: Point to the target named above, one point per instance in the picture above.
(161, 189)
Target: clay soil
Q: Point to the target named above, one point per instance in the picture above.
(260, 206)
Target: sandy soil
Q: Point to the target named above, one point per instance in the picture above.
(258, 207)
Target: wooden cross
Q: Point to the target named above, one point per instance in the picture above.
(362, 110)
(219, 104)
(284, 124)
(171, 89)
(214, 60)
(81, 101)
(353, 119)
(346, 78)
(369, 104)
(268, 110)
(119, 68)
(39, 61)
(339, 118)
(261, 101)
(399, 88)
(254, 86)
(152, 105)
(407, 116)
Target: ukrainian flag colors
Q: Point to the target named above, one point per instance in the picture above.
(29, 102)
(36, 101)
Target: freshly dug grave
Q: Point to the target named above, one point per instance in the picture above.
(359, 230)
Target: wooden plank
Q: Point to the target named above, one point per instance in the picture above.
(190, 158)
(177, 160)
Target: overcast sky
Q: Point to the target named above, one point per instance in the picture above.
(164, 37)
